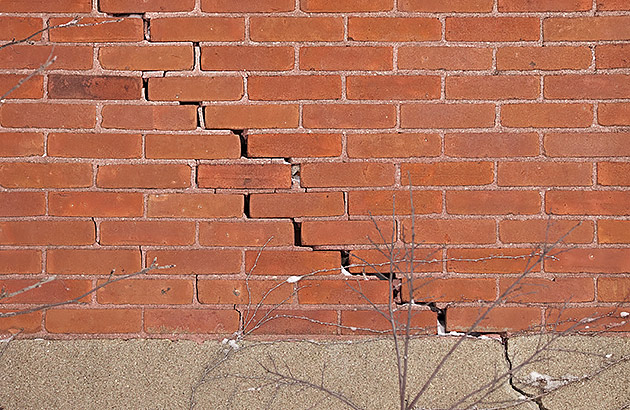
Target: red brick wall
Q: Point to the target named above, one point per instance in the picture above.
(196, 130)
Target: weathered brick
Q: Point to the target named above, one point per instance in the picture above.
(146, 292)
(198, 29)
(382, 202)
(394, 29)
(338, 6)
(209, 321)
(247, 6)
(25, 323)
(296, 29)
(612, 56)
(195, 206)
(613, 173)
(247, 58)
(345, 232)
(346, 174)
(547, 115)
(97, 145)
(187, 146)
(393, 145)
(20, 261)
(295, 263)
(545, 173)
(437, 289)
(143, 6)
(499, 319)
(493, 202)
(588, 202)
(544, 230)
(21, 144)
(366, 322)
(447, 115)
(29, 88)
(244, 176)
(495, 87)
(246, 233)
(292, 322)
(95, 204)
(296, 205)
(591, 144)
(12, 27)
(343, 292)
(393, 87)
(44, 6)
(586, 319)
(156, 58)
(450, 231)
(93, 261)
(93, 321)
(51, 232)
(147, 233)
(45, 175)
(545, 5)
(543, 290)
(22, 203)
(444, 58)
(196, 88)
(349, 116)
(613, 289)
(613, 231)
(446, 6)
(251, 116)
(492, 260)
(239, 292)
(294, 145)
(150, 117)
(330, 58)
(608, 260)
(143, 176)
(197, 261)
(56, 291)
(396, 259)
(612, 5)
(492, 28)
(491, 144)
(586, 28)
(33, 56)
(47, 115)
(544, 58)
(97, 30)
(297, 87)
(587, 87)
(90, 87)
(614, 114)
(447, 173)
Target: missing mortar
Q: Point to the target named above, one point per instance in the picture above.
(242, 135)
(145, 88)
(531, 397)
(297, 233)
(246, 211)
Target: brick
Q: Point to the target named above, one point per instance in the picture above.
(155, 58)
(294, 145)
(20, 261)
(198, 29)
(210, 321)
(493, 202)
(297, 263)
(90, 87)
(446, 6)
(398, 259)
(580, 87)
(25, 323)
(251, 116)
(244, 176)
(613, 289)
(545, 173)
(492, 28)
(448, 231)
(246, 233)
(543, 230)
(196, 88)
(12, 27)
(295, 87)
(345, 232)
(52, 292)
(492, 260)
(347, 174)
(46, 115)
(247, 6)
(349, 116)
(543, 290)
(45, 175)
(606, 5)
(491, 144)
(608, 260)
(292, 322)
(613, 173)
(588, 202)
(33, 56)
(344, 58)
(22, 203)
(97, 30)
(296, 205)
(447, 115)
(447, 173)
(197, 261)
(195, 206)
(495, 87)
(247, 58)
(296, 29)
(394, 29)
(93, 261)
(611, 231)
(343, 292)
(612, 56)
(143, 6)
(93, 321)
(586, 319)
(21, 144)
(101, 145)
(47, 232)
(44, 6)
(186, 146)
(146, 292)
(31, 88)
(437, 289)
(545, 5)
(339, 6)
(382, 202)
(253, 293)
(147, 233)
(586, 28)
(614, 114)
(547, 115)
(95, 204)
(393, 145)
(150, 117)
(444, 58)
(499, 319)
(591, 144)
(143, 176)
(365, 322)
(393, 87)
(544, 58)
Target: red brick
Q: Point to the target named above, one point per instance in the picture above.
(12, 28)
(296, 205)
(586, 28)
(93, 261)
(612, 5)
(493, 202)
(588, 202)
(26, 323)
(544, 230)
(296, 28)
(592, 144)
(394, 29)
(143, 6)
(611, 231)
(362, 322)
(195, 206)
(147, 233)
(155, 58)
(210, 321)
(143, 176)
(345, 232)
(101, 145)
(447, 115)
(448, 173)
(448, 231)
(292, 322)
(545, 173)
(244, 176)
(346, 5)
(254, 293)
(21, 144)
(186, 146)
(499, 319)
(612, 56)
(347, 174)
(150, 117)
(94, 321)
(294, 145)
(247, 58)
(495, 87)
(296, 87)
(440, 6)
(491, 144)
(492, 28)
(542, 290)
(197, 261)
(31, 88)
(297, 263)
(251, 116)
(247, 6)
(20, 261)
(547, 115)
(608, 260)
(613, 173)
(349, 116)
(60, 290)
(198, 29)
(46, 115)
(394, 87)
(146, 292)
(613, 289)
(246, 233)
(437, 289)
(382, 202)
(346, 58)
(95, 204)
(44, 6)
(579, 87)
(47, 233)
(444, 58)
(544, 58)
(545, 5)
(90, 87)
(45, 175)
(97, 30)
(587, 319)
(393, 145)
(343, 292)
(492, 260)
(196, 88)
(22, 203)
(614, 114)
(33, 56)
(396, 260)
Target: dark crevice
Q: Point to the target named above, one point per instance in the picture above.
(297, 233)
(441, 317)
(147, 28)
(196, 103)
(345, 259)
(145, 88)
(243, 138)
(246, 210)
(533, 399)
(241, 321)
(124, 15)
